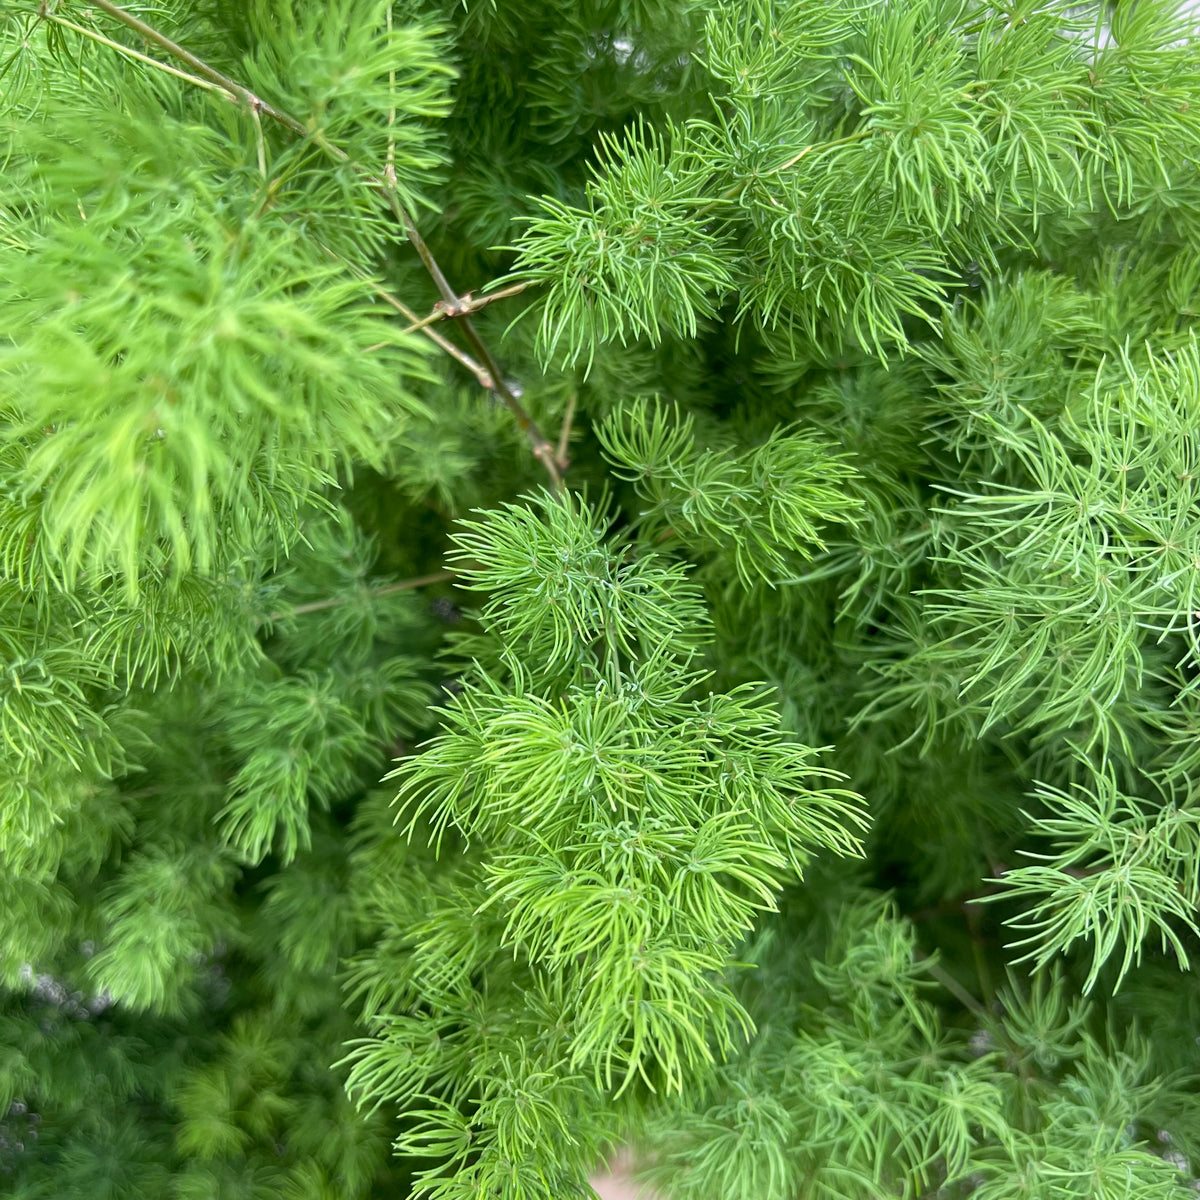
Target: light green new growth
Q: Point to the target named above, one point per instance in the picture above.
(730, 467)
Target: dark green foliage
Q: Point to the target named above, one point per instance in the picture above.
(775, 614)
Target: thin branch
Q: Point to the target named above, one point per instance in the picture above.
(389, 166)
(395, 302)
(464, 306)
(857, 135)
(732, 193)
(542, 448)
(152, 35)
(419, 244)
(405, 585)
(484, 379)
(564, 434)
(952, 985)
(260, 147)
(130, 52)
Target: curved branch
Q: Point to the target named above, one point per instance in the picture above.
(543, 449)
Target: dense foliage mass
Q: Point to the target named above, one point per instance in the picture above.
(735, 463)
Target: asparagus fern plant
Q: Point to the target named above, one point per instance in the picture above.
(595, 574)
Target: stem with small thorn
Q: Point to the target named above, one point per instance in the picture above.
(395, 302)
(464, 305)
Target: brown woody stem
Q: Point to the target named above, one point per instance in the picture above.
(464, 306)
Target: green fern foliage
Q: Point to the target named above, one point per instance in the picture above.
(599, 580)
(637, 262)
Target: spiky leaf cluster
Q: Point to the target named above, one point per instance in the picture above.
(830, 380)
(621, 828)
